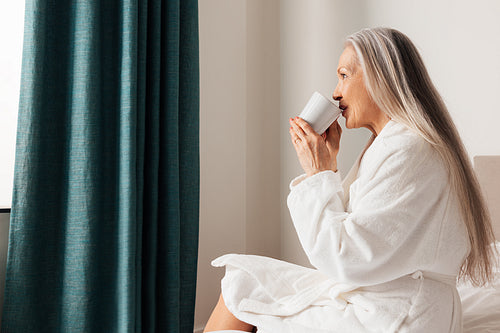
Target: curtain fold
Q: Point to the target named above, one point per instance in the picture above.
(104, 221)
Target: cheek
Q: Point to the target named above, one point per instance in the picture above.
(361, 99)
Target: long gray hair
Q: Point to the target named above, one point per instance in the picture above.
(398, 82)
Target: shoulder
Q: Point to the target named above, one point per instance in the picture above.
(397, 138)
(398, 149)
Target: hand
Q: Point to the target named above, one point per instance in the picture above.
(316, 152)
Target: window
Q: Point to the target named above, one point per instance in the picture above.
(11, 35)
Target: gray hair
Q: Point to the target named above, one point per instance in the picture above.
(398, 82)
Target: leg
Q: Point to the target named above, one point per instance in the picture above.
(223, 319)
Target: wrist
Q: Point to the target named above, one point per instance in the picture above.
(313, 172)
(334, 167)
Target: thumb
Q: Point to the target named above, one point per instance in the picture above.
(333, 135)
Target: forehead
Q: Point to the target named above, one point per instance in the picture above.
(348, 59)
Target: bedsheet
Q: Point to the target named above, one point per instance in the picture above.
(481, 305)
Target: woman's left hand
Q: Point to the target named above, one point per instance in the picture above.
(316, 152)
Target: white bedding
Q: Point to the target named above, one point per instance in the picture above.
(481, 306)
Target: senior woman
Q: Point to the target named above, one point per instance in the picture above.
(387, 243)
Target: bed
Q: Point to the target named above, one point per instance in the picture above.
(481, 306)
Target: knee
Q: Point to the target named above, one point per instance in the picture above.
(221, 301)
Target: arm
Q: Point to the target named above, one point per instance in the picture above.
(394, 223)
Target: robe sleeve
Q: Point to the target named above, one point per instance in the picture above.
(394, 223)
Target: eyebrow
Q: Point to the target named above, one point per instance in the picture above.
(350, 68)
(342, 67)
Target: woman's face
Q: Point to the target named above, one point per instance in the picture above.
(359, 109)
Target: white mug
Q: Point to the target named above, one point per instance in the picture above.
(320, 112)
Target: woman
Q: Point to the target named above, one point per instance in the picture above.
(389, 242)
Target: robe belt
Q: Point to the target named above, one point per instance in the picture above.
(443, 278)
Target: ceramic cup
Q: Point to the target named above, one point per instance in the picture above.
(320, 112)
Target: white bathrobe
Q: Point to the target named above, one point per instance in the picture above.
(386, 244)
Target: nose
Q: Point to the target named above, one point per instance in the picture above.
(337, 95)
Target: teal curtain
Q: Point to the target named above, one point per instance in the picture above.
(104, 221)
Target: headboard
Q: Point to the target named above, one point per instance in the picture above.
(488, 173)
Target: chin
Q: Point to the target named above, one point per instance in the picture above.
(348, 124)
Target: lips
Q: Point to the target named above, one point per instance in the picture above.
(343, 108)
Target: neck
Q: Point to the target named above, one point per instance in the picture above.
(377, 126)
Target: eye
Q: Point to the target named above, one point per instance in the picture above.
(343, 76)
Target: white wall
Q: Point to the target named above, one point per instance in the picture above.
(239, 137)
(263, 129)
(222, 138)
(11, 35)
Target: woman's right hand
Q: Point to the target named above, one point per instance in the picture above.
(315, 153)
(332, 138)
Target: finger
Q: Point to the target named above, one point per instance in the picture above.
(335, 128)
(334, 125)
(308, 130)
(297, 129)
(339, 129)
(334, 134)
(294, 138)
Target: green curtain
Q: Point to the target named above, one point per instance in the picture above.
(104, 222)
